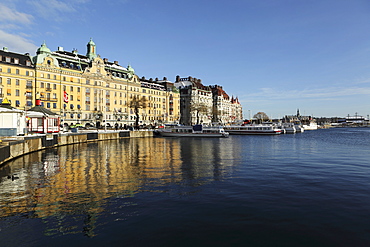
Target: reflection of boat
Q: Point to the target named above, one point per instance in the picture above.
(254, 129)
(192, 131)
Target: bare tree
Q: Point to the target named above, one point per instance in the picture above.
(137, 103)
(261, 117)
(199, 108)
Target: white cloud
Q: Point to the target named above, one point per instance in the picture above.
(54, 8)
(11, 15)
(16, 43)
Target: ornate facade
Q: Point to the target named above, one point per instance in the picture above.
(90, 90)
(206, 104)
(84, 89)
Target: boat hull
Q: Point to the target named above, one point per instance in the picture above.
(202, 135)
(251, 132)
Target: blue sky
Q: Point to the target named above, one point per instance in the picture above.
(274, 55)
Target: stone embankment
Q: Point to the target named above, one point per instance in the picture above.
(13, 147)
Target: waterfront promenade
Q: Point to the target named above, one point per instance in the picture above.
(13, 147)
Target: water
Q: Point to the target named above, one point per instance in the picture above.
(306, 189)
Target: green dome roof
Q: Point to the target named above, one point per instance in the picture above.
(43, 49)
(91, 42)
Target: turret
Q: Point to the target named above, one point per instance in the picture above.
(91, 50)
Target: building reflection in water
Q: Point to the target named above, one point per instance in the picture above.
(80, 180)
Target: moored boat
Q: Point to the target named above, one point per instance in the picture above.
(254, 129)
(192, 131)
(310, 126)
(289, 128)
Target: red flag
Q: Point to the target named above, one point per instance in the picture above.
(65, 97)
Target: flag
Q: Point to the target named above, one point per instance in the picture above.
(65, 97)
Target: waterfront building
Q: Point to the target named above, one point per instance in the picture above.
(163, 101)
(206, 104)
(225, 110)
(84, 89)
(17, 75)
(196, 101)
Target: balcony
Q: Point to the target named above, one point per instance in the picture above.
(51, 99)
(48, 89)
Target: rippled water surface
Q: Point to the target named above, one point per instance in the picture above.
(306, 189)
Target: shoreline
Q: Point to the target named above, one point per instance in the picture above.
(14, 147)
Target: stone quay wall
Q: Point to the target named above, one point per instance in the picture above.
(13, 147)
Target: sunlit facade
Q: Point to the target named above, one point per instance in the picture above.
(84, 89)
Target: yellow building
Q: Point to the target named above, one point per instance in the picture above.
(17, 75)
(85, 89)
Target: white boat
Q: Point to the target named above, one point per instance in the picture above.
(193, 131)
(254, 129)
(288, 128)
(310, 126)
(299, 128)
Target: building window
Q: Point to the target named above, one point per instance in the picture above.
(71, 89)
(16, 92)
(54, 105)
(48, 75)
(9, 70)
(9, 81)
(54, 86)
(17, 71)
(28, 63)
(17, 82)
(7, 59)
(55, 77)
(27, 73)
(48, 105)
(9, 92)
(42, 85)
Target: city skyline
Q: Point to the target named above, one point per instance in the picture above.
(275, 56)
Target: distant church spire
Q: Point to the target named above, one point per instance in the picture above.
(91, 50)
